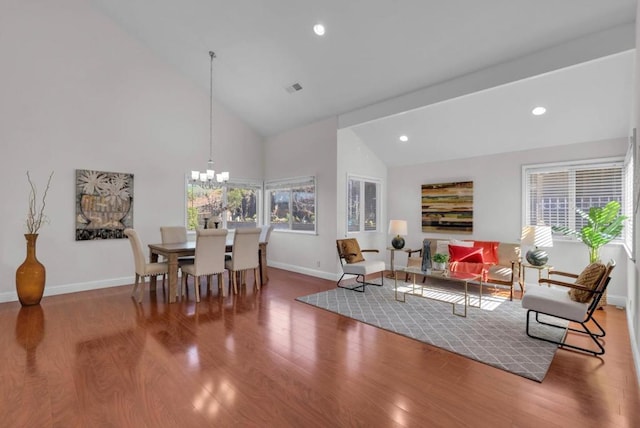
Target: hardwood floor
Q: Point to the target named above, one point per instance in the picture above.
(261, 359)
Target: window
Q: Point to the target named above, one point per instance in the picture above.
(628, 207)
(553, 192)
(292, 204)
(362, 204)
(234, 204)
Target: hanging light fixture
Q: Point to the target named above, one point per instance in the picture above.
(209, 177)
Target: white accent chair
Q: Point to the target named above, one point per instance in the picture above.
(208, 260)
(353, 263)
(554, 300)
(142, 267)
(244, 256)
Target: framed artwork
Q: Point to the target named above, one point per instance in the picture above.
(447, 207)
(104, 204)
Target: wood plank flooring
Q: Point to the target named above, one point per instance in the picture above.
(261, 359)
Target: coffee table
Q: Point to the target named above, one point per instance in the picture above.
(419, 289)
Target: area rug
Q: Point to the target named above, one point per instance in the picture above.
(494, 334)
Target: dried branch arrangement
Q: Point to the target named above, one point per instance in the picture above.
(35, 218)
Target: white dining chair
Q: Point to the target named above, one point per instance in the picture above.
(175, 235)
(208, 260)
(244, 256)
(142, 267)
(265, 234)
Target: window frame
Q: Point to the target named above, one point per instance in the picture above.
(364, 180)
(290, 184)
(577, 165)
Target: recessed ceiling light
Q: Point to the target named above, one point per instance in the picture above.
(318, 29)
(538, 111)
(404, 138)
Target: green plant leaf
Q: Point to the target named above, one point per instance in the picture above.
(604, 224)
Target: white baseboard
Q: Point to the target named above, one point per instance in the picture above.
(331, 276)
(55, 290)
(635, 351)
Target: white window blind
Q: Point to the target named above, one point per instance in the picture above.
(553, 192)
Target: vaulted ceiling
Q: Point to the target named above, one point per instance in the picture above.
(460, 75)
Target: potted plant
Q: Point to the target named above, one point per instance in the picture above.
(440, 261)
(603, 225)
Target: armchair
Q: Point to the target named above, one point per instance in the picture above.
(353, 263)
(576, 305)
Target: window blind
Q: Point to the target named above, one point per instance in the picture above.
(554, 192)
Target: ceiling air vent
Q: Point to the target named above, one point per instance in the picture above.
(294, 88)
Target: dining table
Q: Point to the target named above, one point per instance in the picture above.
(172, 252)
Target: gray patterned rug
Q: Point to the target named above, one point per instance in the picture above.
(494, 335)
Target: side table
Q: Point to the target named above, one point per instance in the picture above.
(540, 269)
(391, 258)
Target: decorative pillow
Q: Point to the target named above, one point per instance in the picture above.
(489, 251)
(465, 254)
(589, 277)
(351, 251)
(442, 247)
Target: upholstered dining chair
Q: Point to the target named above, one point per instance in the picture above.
(354, 263)
(244, 256)
(175, 235)
(575, 305)
(265, 234)
(208, 260)
(142, 267)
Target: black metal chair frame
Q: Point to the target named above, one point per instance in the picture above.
(597, 295)
(360, 279)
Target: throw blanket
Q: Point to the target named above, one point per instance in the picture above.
(426, 255)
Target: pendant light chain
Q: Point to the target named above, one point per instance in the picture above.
(212, 55)
(209, 178)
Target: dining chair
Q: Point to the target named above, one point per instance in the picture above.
(208, 260)
(244, 256)
(175, 235)
(265, 234)
(142, 267)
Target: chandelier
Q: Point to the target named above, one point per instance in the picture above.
(209, 177)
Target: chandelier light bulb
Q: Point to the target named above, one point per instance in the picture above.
(318, 29)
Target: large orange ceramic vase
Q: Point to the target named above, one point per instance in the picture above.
(31, 275)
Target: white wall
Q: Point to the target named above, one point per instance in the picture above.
(79, 93)
(355, 157)
(633, 309)
(497, 209)
(305, 151)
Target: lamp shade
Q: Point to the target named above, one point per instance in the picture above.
(397, 228)
(537, 236)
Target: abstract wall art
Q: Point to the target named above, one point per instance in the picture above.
(447, 207)
(104, 204)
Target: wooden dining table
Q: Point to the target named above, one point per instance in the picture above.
(172, 252)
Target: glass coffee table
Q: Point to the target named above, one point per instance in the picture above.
(420, 289)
